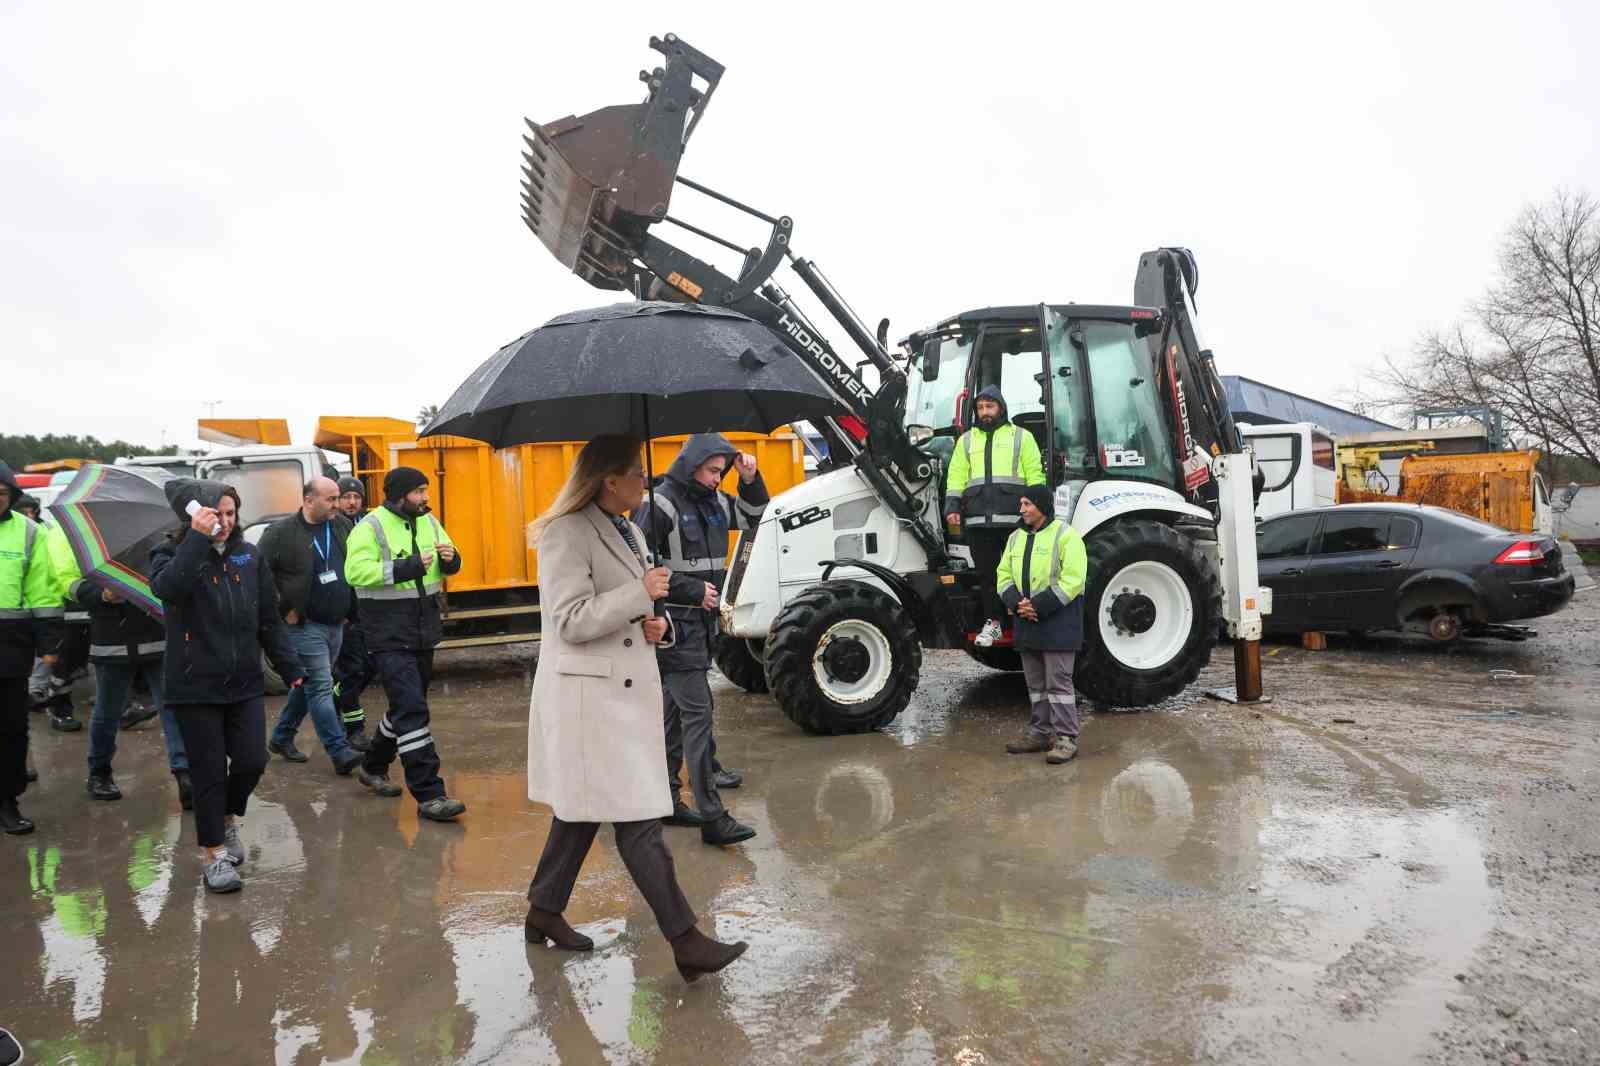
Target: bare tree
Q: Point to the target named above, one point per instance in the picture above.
(1531, 346)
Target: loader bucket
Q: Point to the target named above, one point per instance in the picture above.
(593, 185)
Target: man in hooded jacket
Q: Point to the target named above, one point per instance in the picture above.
(992, 463)
(688, 530)
(30, 622)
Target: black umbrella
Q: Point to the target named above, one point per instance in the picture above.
(652, 368)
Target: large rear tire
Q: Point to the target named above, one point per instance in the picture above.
(843, 657)
(740, 665)
(1152, 611)
(1007, 659)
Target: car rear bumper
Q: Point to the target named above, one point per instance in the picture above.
(1532, 599)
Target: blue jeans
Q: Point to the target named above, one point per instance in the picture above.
(112, 679)
(317, 645)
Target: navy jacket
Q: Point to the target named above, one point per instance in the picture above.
(221, 613)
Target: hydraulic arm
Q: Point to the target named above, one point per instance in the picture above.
(595, 185)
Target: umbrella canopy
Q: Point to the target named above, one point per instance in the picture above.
(113, 516)
(651, 368)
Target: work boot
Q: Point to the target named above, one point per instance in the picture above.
(185, 789)
(728, 778)
(1064, 750)
(441, 809)
(378, 783)
(540, 926)
(697, 954)
(1028, 745)
(221, 876)
(725, 830)
(11, 819)
(61, 718)
(30, 775)
(359, 741)
(287, 750)
(137, 714)
(100, 786)
(684, 815)
(348, 762)
(233, 845)
(990, 633)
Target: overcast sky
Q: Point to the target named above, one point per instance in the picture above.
(308, 209)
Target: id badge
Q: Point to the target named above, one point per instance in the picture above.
(327, 577)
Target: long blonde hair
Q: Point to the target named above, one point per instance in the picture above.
(604, 456)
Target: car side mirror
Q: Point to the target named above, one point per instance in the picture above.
(930, 359)
(919, 434)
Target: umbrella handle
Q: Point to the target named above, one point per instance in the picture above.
(660, 606)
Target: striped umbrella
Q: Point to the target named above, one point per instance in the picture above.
(113, 516)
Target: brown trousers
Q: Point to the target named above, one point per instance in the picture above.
(643, 851)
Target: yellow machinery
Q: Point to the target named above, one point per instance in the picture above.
(1360, 473)
(1501, 488)
(486, 497)
(234, 432)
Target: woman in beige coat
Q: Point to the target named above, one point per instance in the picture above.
(596, 752)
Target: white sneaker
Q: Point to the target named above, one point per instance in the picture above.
(988, 634)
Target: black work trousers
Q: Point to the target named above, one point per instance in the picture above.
(688, 723)
(404, 729)
(644, 852)
(13, 736)
(352, 673)
(227, 748)
(988, 548)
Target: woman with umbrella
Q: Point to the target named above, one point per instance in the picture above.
(596, 752)
(220, 607)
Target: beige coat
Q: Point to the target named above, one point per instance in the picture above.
(596, 749)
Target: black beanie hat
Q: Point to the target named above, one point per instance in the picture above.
(1041, 497)
(401, 480)
(352, 484)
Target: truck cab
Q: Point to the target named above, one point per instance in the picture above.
(270, 479)
(1298, 462)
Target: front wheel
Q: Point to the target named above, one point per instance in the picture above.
(843, 657)
(738, 662)
(1152, 610)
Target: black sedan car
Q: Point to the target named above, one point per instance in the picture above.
(1367, 567)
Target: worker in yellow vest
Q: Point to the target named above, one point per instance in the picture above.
(992, 463)
(30, 623)
(396, 560)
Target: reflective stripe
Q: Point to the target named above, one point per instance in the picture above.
(357, 715)
(29, 531)
(1035, 697)
(1055, 557)
(669, 511)
(414, 745)
(388, 572)
(750, 510)
(992, 520)
(1016, 451)
(407, 591)
(73, 616)
(154, 647)
(385, 728)
(49, 612)
(10, 613)
(413, 735)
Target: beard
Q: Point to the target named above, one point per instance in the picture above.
(988, 422)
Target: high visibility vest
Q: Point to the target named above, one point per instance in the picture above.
(28, 585)
(989, 496)
(381, 538)
(1055, 560)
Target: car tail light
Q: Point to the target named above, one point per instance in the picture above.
(1522, 553)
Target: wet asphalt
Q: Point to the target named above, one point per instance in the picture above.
(1206, 883)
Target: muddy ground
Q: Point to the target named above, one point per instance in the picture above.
(1397, 860)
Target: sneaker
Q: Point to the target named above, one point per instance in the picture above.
(378, 783)
(988, 634)
(221, 876)
(137, 714)
(61, 719)
(235, 846)
(728, 778)
(1064, 750)
(287, 750)
(441, 809)
(1028, 745)
(185, 789)
(100, 786)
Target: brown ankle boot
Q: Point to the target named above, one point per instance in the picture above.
(697, 954)
(548, 925)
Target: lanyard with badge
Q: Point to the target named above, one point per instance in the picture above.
(328, 575)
